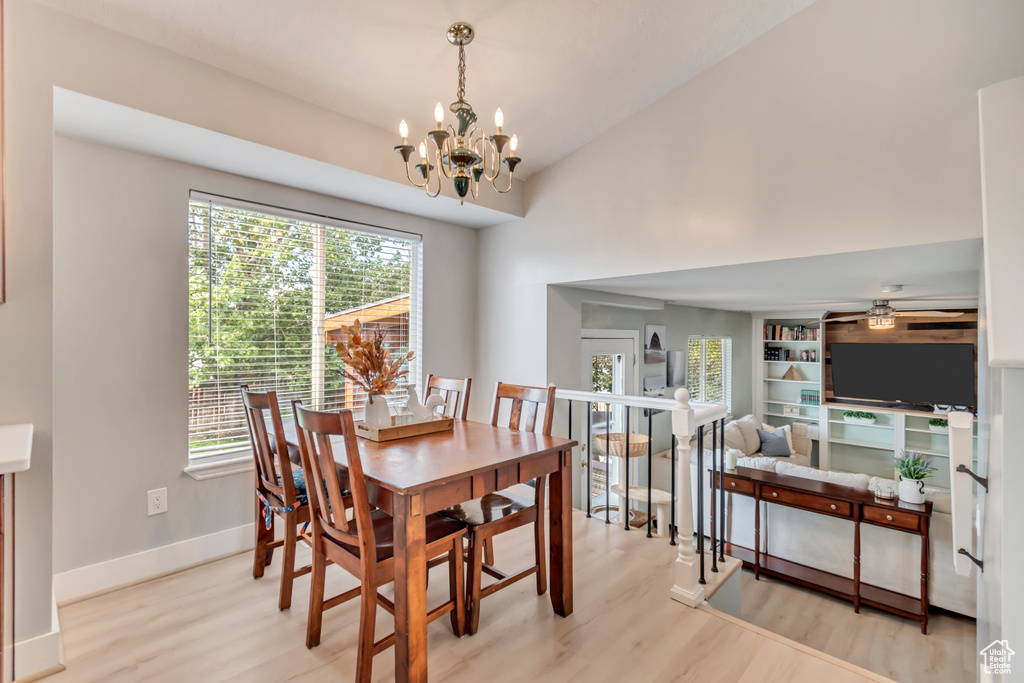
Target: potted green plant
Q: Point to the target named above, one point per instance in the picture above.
(859, 417)
(938, 424)
(912, 467)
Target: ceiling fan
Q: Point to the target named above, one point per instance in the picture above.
(882, 316)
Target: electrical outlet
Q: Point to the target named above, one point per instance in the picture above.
(157, 501)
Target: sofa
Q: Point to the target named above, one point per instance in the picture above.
(890, 559)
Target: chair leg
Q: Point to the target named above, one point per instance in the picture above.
(315, 617)
(261, 555)
(474, 574)
(367, 624)
(291, 532)
(457, 588)
(489, 551)
(540, 556)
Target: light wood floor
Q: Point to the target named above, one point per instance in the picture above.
(875, 640)
(215, 623)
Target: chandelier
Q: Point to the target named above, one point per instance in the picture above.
(465, 153)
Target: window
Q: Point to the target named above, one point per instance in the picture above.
(269, 291)
(709, 370)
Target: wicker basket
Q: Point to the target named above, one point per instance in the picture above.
(637, 444)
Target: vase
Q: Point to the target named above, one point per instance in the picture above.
(859, 420)
(939, 430)
(912, 491)
(377, 413)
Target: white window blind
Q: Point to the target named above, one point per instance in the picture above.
(269, 291)
(709, 369)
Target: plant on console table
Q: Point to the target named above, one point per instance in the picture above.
(370, 365)
(913, 468)
(859, 417)
(938, 424)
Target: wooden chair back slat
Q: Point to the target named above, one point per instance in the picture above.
(454, 391)
(274, 474)
(525, 406)
(327, 505)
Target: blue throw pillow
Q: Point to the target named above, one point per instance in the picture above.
(774, 444)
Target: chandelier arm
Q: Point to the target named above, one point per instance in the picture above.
(495, 163)
(408, 175)
(426, 186)
(446, 167)
(475, 188)
(499, 190)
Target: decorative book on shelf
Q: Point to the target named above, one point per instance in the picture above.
(810, 397)
(787, 333)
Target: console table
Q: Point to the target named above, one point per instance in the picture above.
(858, 506)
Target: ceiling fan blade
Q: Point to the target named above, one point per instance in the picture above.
(845, 318)
(928, 314)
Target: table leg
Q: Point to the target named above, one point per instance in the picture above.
(924, 578)
(561, 536)
(757, 538)
(410, 589)
(856, 561)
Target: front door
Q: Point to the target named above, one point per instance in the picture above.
(608, 367)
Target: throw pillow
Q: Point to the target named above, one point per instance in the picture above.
(789, 434)
(733, 438)
(748, 428)
(774, 445)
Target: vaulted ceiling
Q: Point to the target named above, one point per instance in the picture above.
(562, 72)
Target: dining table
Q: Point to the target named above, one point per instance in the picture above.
(413, 477)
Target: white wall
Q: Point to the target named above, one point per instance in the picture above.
(1000, 594)
(44, 49)
(852, 124)
(120, 352)
(681, 322)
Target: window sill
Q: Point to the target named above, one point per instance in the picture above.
(220, 468)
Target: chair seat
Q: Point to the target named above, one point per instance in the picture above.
(299, 479)
(490, 508)
(384, 533)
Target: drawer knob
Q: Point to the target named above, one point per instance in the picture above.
(889, 517)
(733, 484)
(833, 506)
(774, 495)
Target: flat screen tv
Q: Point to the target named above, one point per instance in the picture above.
(917, 374)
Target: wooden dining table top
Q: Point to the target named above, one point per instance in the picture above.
(420, 462)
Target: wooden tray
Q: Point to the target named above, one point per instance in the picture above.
(403, 431)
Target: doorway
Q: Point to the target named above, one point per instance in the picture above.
(609, 365)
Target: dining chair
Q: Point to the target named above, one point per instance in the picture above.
(364, 546)
(454, 391)
(502, 511)
(280, 491)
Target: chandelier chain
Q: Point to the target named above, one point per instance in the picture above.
(462, 74)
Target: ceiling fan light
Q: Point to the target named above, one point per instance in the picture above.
(882, 323)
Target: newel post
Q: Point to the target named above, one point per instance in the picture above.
(687, 589)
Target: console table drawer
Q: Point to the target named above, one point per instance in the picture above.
(808, 501)
(734, 485)
(893, 518)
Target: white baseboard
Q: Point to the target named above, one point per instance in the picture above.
(42, 653)
(148, 564)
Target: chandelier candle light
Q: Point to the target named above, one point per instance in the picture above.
(464, 154)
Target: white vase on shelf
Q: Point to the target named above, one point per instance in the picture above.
(912, 491)
(377, 413)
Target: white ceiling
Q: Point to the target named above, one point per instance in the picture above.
(562, 72)
(941, 275)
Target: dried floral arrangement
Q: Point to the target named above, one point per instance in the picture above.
(368, 361)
